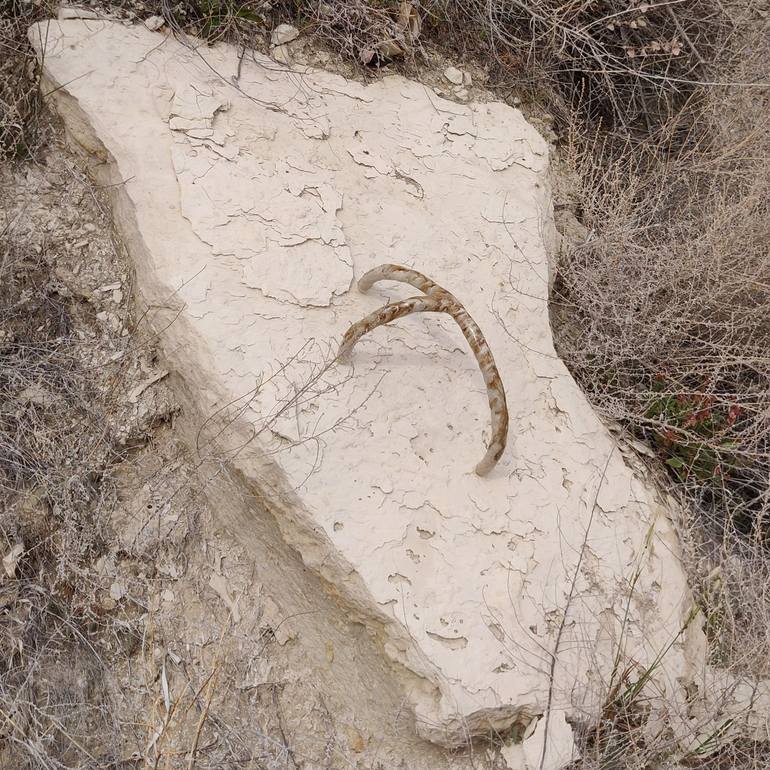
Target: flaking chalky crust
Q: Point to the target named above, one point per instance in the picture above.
(438, 300)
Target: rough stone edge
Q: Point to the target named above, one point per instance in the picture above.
(341, 581)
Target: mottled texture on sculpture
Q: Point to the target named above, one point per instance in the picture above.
(438, 300)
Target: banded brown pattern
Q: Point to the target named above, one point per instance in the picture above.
(438, 300)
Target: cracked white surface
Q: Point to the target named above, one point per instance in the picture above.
(258, 206)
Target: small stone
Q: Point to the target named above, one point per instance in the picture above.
(281, 54)
(283, 33)
(117, 296)
(117, 591)
(89, 227)
(390, 49)
(516, 101)
(462, 94)
(366, 55)
(467, 79)
(454, 76)
(77, 13)
(154, 23)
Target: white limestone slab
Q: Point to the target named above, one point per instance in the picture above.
(255, 196)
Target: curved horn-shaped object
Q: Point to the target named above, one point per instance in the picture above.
(438, 300)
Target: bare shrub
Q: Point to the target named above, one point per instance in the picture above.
(54, 455)
(65, 423)
(675, 314)
(632, 65)
(20, 100)
(667, 299)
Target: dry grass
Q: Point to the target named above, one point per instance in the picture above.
(671, 291)
(47, 488)
(58, 406)
(631, 65)
(20, 100)
(668, 300)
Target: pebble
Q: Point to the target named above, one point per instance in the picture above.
(154, 23)
(76, 13)
(280, 53)
(283, 33)
(454, 76)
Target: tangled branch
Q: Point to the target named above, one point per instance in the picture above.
(438, 300)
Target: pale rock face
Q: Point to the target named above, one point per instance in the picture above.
(281, 53)
(251, 207)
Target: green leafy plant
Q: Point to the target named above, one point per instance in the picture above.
(695, 433)
(220, 18)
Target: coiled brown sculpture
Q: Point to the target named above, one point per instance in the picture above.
(438, 300)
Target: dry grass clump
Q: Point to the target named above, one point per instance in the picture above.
(667, 300)
(54, 451)
(52, 416)
(672, 294)
(20, 100)
(633, 65)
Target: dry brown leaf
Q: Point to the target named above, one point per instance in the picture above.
(11, 559)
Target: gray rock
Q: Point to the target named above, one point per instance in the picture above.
(283, 33)
(68, 12)
(154, 23)
(281, 54)
(454, 76)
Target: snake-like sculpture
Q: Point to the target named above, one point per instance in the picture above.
(438, 300)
